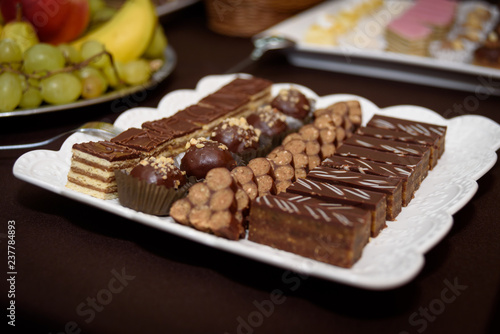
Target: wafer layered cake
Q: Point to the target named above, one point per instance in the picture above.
(93, 166)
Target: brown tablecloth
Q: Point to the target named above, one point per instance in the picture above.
(83, 270)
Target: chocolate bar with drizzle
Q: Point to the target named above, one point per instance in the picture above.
(420, 166)
(390, 146)
(437, 132)
(333, 237)
(336, 194)
(391, 187)
(404, 173)
(400, 136)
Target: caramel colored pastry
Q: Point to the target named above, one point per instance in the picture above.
(246, 180)
(93, 166)
(309, 230)
(262, 169)
(283, 170)
(160, 171)
(488, 54)
(292, 102)
(203, 154)
(215, 206)
(237, 135)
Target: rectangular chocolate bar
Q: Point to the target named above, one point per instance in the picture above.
(148, 143)
(434, 131)
(205, 116)
(93, 166)
(308, 230)
(178, 129)
(232, 104)
(406, 174)
(258, 90)
(420, 166)
(391, 187)
(400, 136)
(368, 200)
(390, 146)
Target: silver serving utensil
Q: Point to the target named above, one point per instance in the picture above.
(102, 129)
(262, 45)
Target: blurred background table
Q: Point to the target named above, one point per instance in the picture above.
(67, 253)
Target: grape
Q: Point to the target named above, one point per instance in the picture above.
(21, 32)
(90, 49)
(10, 52)
(70, 53)
(61, 88)
(94, 83)
(135, 72)
(110, 73)
(32, 98)
(10, 91)
(157, 45)
(43, 57)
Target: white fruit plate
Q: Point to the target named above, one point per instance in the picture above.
(115, 95)
(388, 261)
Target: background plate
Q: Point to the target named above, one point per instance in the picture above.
(158, 76)
(471, 142)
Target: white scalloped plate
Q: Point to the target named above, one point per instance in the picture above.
(471, 145)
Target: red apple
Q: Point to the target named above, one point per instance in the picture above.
(55, 21)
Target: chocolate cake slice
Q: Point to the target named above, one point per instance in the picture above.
(308, 230)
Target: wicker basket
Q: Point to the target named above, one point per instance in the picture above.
(246, 18)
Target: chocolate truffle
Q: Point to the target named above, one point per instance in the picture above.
(203, 155)
(268, 120)
(237, 135)
(292, 102)
(160, 171)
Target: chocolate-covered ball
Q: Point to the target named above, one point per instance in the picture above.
(160, 171)
(292, 102)
(203, 154)
(268, 120)
(237, 135)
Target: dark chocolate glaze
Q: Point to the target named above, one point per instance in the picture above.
(397, 136)
(225, 102)
(160, 171)
(237, 137)
(365, 199)
(357, 180)
(268, 120)
(292, 102)
(386, 145)
(141, 139)
(346, 150)
(201, 115)
(199, 160)
(250, 86)
(173, 127)
(107, 150)
(411, 127)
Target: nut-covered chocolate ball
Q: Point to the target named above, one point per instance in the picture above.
(160, 171)
(292, 102)
(203, 155)
(237, 135)
(268, 120)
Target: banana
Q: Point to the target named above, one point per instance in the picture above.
(129, 32)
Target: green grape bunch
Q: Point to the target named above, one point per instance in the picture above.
(61, 74)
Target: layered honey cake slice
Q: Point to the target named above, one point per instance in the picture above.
(93, 166)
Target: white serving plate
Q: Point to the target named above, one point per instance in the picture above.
(365, 60)
(388, 261)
